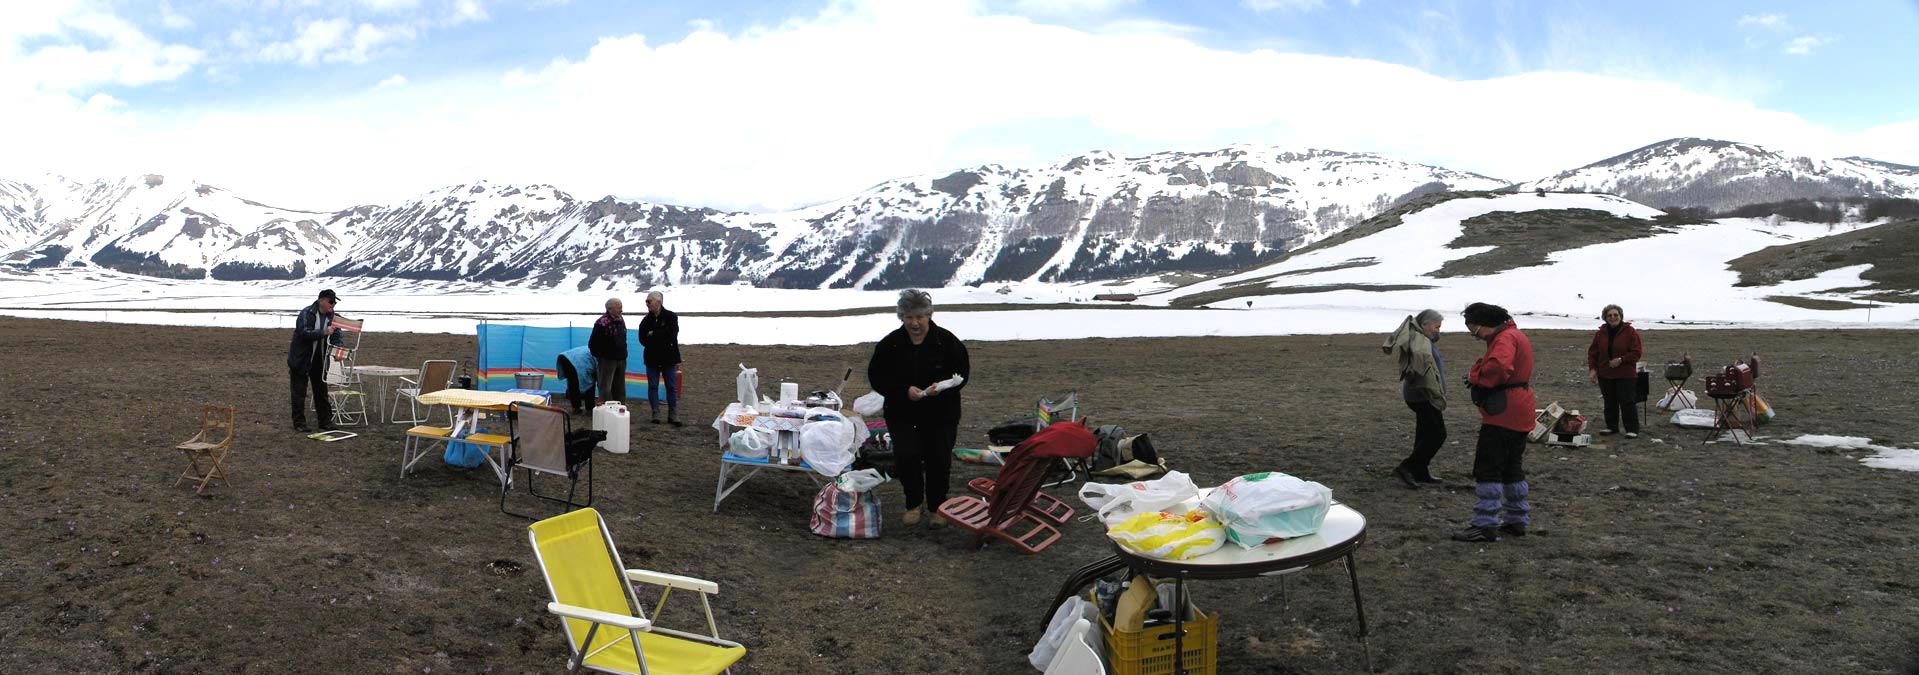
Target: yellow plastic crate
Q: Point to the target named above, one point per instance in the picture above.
(1150, 651)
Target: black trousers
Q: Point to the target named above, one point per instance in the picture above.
(922, 458)
(575, 394)
(1500, 456)
(611, 377)
(1621, 401)
(313, 376)
(1429, 433)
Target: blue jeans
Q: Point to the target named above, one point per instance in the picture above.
(672, 375)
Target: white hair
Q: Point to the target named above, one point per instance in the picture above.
(915, 301)
(656, 295)
(610, 302)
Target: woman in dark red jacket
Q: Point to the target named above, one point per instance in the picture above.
(1613, 362)
(1501, 382)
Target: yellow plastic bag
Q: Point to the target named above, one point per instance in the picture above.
(1169, 536)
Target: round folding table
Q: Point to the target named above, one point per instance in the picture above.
(1342, 533)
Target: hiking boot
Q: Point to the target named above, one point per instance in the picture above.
(1429, 478)
(656, 419)
(1513, 529)
(936, 522)
(1405, 475)
(329, 427)
(302, 427)
(675, 422)
(1478, 534)
(912, 516)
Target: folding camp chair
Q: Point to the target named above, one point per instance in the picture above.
(1047, 411)
(592, 590)
(434, 376)
(1076, 655)
(212, 443)
(542, 444)
(1005, 513)
(344, 391)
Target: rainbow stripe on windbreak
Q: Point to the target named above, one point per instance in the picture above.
(553, 382)
(508, 349)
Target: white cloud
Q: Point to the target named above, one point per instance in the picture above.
(467, 10)
(173, 20)
(77, 46)
(390, 82)
(1769, 21)
(1805, 44)
(820, 108)
(1069, 7)
(388, 5)
(335, 41)
(1287, 5)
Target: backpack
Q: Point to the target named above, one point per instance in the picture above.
(1109, 454)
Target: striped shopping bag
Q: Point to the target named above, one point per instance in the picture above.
(841, 514)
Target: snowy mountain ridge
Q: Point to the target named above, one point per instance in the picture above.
(1723, 175)
(1093, 216)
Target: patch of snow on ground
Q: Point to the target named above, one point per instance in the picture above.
(1900, 459)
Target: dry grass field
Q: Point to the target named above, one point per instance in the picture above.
(1659, 555)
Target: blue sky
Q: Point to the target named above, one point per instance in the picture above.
(757, 105)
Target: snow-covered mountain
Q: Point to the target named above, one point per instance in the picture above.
(1092, 217)
(1722, 175)
(151, 226)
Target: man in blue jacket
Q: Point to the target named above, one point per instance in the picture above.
(307, 360)
(578, 368)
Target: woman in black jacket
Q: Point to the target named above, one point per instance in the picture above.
(922, 418)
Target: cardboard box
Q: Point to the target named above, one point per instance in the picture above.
(1543, 423)
(1569, 440)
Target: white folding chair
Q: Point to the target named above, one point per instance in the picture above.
(345, 393)
(434, 376)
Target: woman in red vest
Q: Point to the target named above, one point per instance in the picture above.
(1501, 383)
(1613, 362)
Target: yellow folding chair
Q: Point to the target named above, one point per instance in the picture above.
(211, 444)
(592, 590)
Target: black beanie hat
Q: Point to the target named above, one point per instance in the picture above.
(1482, 314)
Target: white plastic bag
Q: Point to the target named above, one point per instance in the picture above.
(1259, 507)
(749, 443)
(948, 383)
(826, 445)
(1685, 400)
(869, 405)
(748, 386)
(1056, 632)
(1116, 503)
(861, 480)
(1696, 418)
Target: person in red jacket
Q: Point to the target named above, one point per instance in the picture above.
(1501, 383)
(1613, 362)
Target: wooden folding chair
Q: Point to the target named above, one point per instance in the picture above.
(211, 444)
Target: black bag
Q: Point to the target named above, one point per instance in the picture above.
(1138, 448)
(1108, 454)
(580, 444)
(1011, 432)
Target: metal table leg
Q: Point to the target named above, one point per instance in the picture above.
(1359, 609)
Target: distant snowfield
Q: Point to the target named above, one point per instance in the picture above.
(1675, 280)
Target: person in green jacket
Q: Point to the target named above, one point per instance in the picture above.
(1422, 383)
